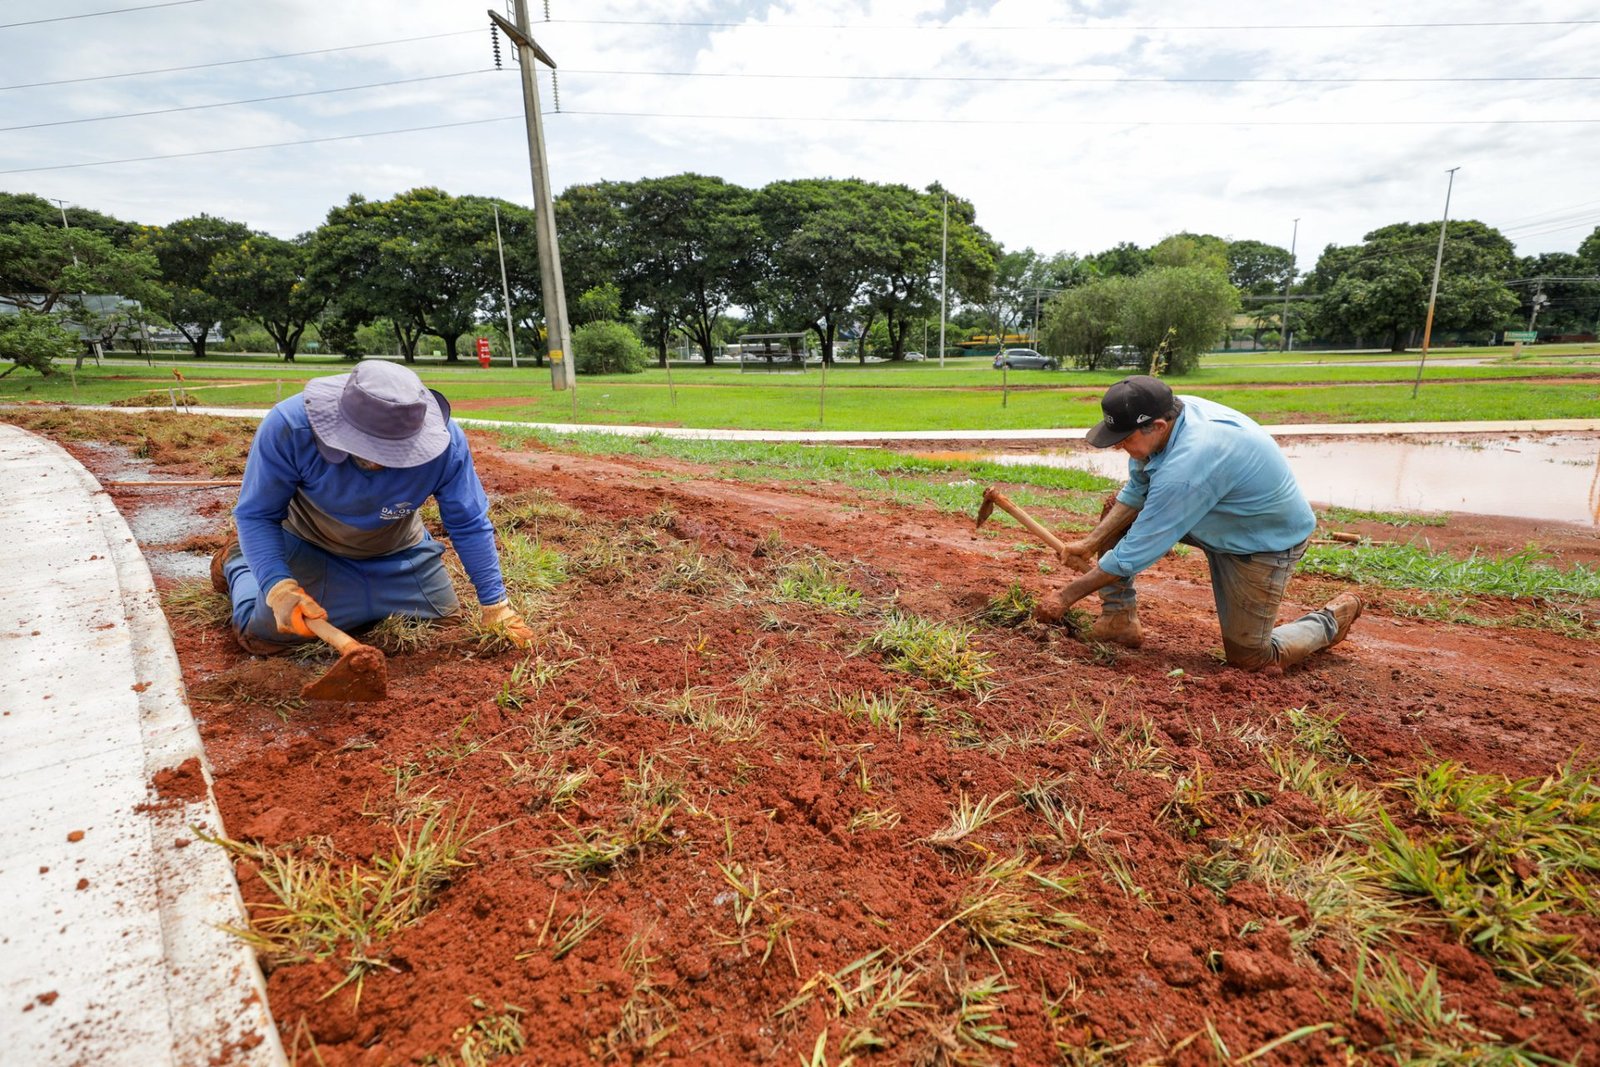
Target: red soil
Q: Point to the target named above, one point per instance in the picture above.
(326, 779)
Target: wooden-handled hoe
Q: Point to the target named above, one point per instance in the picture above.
(362, 672)
(993, 498)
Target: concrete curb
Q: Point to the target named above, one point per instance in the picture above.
(113, 951)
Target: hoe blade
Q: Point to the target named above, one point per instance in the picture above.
(362, 673)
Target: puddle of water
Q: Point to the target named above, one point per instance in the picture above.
(1554, 477)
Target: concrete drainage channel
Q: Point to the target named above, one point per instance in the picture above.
(112, 948)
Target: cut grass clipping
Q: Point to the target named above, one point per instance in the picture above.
(936, 651)
(815, 580)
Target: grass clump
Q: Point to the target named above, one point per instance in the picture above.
(815, 580)
(401, 633)
(967, 818)
(936, 651)
(701, 709)
(596, 849)
(1499, 859)
(883, 711)
(528, 567)
(321, 911)
(486, 1039)
(1014, 607)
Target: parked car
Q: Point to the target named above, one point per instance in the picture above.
(1025, 359)
(914, 357)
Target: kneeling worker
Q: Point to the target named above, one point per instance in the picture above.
(327, 515)
(1203, 474)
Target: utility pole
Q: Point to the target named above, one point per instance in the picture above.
(558, 335)
(1539, 301)
(1283, 339)
(93, 346)
(1433, 294)
(944, 255)
(505, 289)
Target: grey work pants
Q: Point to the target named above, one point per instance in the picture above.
(1249, 591)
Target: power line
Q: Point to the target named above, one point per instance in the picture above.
(1052, 79)
(1033, 28)
(257, 147)
(235, 62)
(94, 14)
(945, 121)
(252, 100)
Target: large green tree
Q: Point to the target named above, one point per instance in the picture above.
(185, 251)
(1080, 323)
(1187, 308)
(424, 259)
(43, 267)
(267, 279)
(815, 257)
(1379, 289)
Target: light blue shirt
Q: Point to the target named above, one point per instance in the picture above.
(1221, 481)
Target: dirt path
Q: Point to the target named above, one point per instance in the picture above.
(771, 834)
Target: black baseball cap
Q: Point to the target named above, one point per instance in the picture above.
(1128, 405)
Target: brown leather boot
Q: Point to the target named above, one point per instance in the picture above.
(1118, 628)
(219, 559)
(1345, 609)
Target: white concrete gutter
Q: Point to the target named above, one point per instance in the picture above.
(111, 951)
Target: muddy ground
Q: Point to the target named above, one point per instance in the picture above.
(771, 881)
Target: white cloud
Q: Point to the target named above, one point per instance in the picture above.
(1064, 164)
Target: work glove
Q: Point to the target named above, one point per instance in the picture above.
(1079, 555)
(503, 617)
(292, 606)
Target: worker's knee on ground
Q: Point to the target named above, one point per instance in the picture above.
(1249, 657)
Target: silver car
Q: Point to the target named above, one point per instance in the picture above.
(1025, 359)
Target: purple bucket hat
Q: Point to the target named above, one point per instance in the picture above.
(380, 412)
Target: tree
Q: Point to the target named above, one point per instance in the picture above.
(1380, 288)
(1192, 305)
(35, 340)
(815, 257)
(1191, 250)
(425, 260)
(1126, 259)
(18, 209)
(604, 347)
(45, 266)
(185, 251)
(1080, 323)
(266, 278)
(1557, 306)
(1589, 252)
(1262, 272)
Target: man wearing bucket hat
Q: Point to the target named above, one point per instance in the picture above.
(328, 522)
(1205, 475)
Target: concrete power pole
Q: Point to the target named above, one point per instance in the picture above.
(1283, 332)
(1433, 294)
(558, 331)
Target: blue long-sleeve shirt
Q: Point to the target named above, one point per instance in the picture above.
(1220, 480)
(285, 462)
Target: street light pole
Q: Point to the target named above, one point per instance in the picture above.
(944, 255)
(1283, 340)
(558, 336)
(1433, 294)
(505, 289)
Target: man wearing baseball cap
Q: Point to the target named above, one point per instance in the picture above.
(1205, 475)
(328, 522)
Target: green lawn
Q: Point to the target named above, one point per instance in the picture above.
(964, 395)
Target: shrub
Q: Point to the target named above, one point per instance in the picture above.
(34, 340)
(607, 348)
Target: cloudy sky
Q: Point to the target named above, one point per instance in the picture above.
(1070, 125)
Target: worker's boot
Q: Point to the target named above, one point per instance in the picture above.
(1118, 628)
(1345, 609)
(219, 559)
